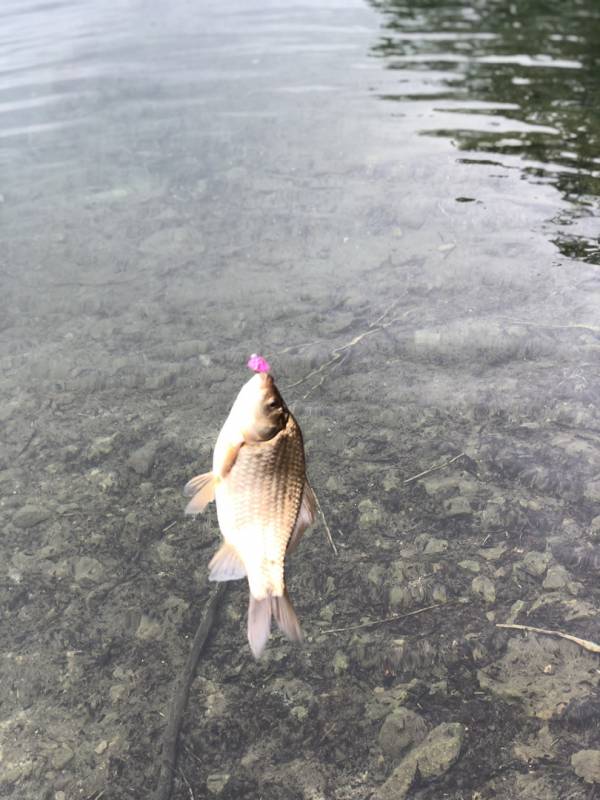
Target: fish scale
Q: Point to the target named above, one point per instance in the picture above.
(258, 504)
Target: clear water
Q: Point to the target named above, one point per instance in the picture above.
(397, 204)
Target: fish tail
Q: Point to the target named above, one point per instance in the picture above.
(259, 624)
(285, 617)
(259, 621)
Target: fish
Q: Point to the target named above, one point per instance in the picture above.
(264, 503)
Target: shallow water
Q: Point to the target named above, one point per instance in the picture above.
(398, 205)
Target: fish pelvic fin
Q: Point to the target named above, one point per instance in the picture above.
(259, 621)
(306, 516)
(226, 564)
(202, 491)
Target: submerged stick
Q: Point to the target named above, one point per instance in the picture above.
(326, 526)
(168, 757)
(592, 647)
(387, 619)
(433, 469)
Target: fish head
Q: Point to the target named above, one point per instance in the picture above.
(266, 413)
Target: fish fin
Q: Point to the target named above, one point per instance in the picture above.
(285, 617)
(196, 484)
(306, 516)
(226, 564)
(259, 624)
(203, 489)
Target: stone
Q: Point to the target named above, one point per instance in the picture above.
(148, 628)
(101, 747)
(435, 546)
(299, 712)
(592, 491)
(88, 570)
(101, 447)
(397, 786)
(400, 730)
(440, 750)
(217, 781)
(61, 757)
(484, 587)
(586, 764)
(141, 461)
(492, 553)
(470, 566)
(456, 507)
(340, 662)
(556, 578)
(30, 515)
(369, 514)
(535, 563)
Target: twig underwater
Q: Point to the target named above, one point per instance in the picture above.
(394, 618)
(339, 353)
(591, 647)
(181, 690)
(434, 469)
(326, 526)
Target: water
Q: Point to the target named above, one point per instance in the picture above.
(398, 205)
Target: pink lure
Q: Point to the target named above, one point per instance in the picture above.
(258, 363)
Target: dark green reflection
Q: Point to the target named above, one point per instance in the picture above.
(535, 62)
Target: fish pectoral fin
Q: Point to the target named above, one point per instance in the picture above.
(306, 516)
(259, 624)
(202, 490)
(195, 484)
(226, 565)
(285, 617)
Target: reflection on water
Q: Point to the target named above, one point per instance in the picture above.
(517, 81)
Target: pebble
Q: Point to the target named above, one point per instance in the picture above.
(369, 514)
(432, 758)
(142, 460)
(470, 566)
(30, 515)
(216, 782)
(101, 747)
(535, 563)
(435, 546)
(101, 447)
(586, 764)
(340, 662)
(456, 507)
(484, 587)
(88, 570)
(592, 491)
(440, 750)
(400, 730)
(557, 578)
(62, 757)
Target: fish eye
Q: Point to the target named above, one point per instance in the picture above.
(274, 403)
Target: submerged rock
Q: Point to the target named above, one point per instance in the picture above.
(440, 750)
(30, 515)
(586, 764)
(536, 564)
(400, 730)
(484, 588)
(432, 758)
(142, 460)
